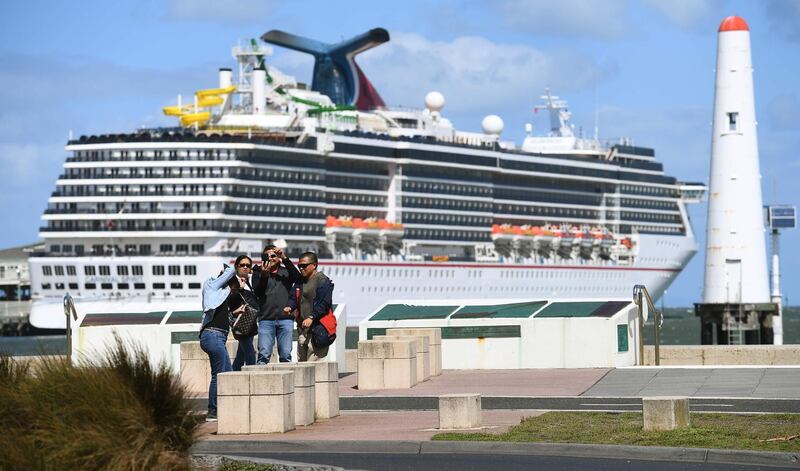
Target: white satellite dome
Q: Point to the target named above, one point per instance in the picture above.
(434, 101)
(492, 124)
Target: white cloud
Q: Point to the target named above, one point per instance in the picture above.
(689, 14)
(581, 18)
(231, 11)
(473, 73)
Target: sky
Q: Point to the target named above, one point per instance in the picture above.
(640, 69)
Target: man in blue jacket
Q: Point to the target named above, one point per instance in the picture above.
(311, 298)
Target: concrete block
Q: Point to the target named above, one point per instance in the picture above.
(434, 345)
(370, 373)
(459, 411)
(233, 414)
(233, 383)
(351, 361)
(387, 349)
(272, 413)
(435, 359)
(256, 368)
(304, 373)
(675, 355)
(271, 383)
(786, 355)
(665, 413)
(304, 389)
(399, 373)
(423, 353)
(196, 375)
(434, 334)
(326, 390)
(192, 351)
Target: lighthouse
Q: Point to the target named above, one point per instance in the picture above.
(736, 307)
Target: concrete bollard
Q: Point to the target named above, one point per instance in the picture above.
(423, 354)
(326, 390)
(434, 345)
(665, 413)
(304, 387)
(387, 364)
(351, 361)
(459, 411)
(233, 403)
(271, 401)
(195, 368)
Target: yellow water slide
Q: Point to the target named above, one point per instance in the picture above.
(192, 114)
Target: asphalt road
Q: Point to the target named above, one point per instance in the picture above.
(482, 462)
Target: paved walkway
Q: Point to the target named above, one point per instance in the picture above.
(541, 382)
(399, 425)
(699, 382)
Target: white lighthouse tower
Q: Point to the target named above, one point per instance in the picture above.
(736, 304)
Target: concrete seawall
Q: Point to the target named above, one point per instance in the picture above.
(774, 355)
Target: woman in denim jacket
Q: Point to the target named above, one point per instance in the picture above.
(214, 329)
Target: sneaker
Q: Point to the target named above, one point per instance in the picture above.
(211, 418)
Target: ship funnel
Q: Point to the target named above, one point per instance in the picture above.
(336, 73)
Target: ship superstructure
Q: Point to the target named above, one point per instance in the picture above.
(397, 202)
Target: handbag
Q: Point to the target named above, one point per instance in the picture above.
(246, 323)
(323, 330)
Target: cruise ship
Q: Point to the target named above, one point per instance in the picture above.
(397, 202)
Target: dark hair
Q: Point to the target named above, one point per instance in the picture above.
(311, 256)
(240, 258)
(267, 247)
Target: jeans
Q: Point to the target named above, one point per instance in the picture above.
(245, 353)
(267, 331)
(213, 343)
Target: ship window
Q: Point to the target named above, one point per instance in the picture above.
(174, 269)
(138, 286)
(47, 270)
(105, 270)
(182, 248)
(106, 286)
(123, 286)
(158, 269)
(194, 285)
(189, 270)
(137, 270)
(59, 270)
(176, 285)
(733, 122)
(90, 285)
(197, 248)
(122, 270)
(144, 249)
(89, 270)
(158, 285)
(45, 285)
(71, 270)
(165, 247)
(73, 286)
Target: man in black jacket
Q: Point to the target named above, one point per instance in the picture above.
(273, 283)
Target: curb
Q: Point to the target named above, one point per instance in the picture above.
(277, 465)
(644, 453)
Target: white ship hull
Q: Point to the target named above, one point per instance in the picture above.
(363, 285)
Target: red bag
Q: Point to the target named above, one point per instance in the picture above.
(329, 322)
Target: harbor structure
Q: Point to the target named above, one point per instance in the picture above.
(736, 306)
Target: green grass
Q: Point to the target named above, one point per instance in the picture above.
(732, 431)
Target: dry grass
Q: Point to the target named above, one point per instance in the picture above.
(120, 414)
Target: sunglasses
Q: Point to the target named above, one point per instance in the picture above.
(270, 256)
(244, 265)
(303, 266)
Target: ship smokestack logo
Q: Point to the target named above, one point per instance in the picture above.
(336, 73)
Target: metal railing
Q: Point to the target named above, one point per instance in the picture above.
(72, 314)
(640, 297)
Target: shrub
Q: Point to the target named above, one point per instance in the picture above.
(120, 413)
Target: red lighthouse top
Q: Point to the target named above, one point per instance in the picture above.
(733, 23)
